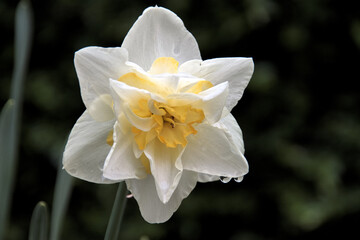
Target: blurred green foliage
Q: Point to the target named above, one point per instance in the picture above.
(299, 115)
(10, 116)
(39, 223)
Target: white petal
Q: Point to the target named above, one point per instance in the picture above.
(202, 177)
(232, 130)
(180, 99)
(158, 32)
(121, 163)
(168, 82)
(236, 71)
(211, 101)
(125, 98)
(101, 108)
(214, 100)
(192, 67)
(128, 93)
(187, 80)
(210, 151)
(144, 124)
(86, 149)
(152, 209)
(131, 94)
(166, 167)
(95, 66)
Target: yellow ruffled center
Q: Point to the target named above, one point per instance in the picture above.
(172, 123)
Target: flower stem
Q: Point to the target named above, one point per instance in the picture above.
(117, 213)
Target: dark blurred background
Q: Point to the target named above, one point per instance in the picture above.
(299, 115)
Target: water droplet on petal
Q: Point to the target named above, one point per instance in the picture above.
(239, 179)
(225, 179)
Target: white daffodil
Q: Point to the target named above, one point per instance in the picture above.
(157, 116)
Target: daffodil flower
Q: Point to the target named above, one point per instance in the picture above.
(157, 116)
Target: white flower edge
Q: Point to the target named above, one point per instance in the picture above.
(237, 71)
(213, 152)
(94, 67)
(159, 32)
(152, 209)
(86, 149)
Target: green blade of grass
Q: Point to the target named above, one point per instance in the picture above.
(39, 222)
(63, 187)
(23, 40)
(7, 161)
(11, 113)
(113, 228)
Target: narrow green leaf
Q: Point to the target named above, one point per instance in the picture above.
(39, 222)
(11, 113)
(23, 40)
(7, 161)
(63, 187)
(117, 213)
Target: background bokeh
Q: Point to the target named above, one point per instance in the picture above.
(299, 115)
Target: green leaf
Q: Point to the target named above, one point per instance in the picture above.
(11, 113)
(8, 146)
(63, 187)
(39, 222)
(113, 228)
(23, 40)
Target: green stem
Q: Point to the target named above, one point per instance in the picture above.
(39, 222)
(63, 188)
(117, 213)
